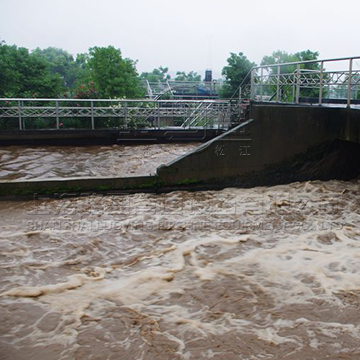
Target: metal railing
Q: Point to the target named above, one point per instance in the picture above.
(105, 113)
(155, 90)
(314, 81)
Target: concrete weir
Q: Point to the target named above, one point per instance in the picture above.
(279, 144)
(104, 137)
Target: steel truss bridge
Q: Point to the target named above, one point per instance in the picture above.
(317, 82)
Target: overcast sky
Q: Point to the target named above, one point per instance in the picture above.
(185, 34)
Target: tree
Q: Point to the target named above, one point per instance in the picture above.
(157, 75)
(191, 76)
(281, 57)
(113, 76)
(25, 74)
(235, 72)
(60, 62)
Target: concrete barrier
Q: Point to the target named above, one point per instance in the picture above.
(280, 144)
(266, 149)
(77, 185)
(104, 136)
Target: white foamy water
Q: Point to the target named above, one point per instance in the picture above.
(262, 273)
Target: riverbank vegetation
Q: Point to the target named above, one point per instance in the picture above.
(103, 72)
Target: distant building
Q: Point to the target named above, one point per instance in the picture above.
(208, 75)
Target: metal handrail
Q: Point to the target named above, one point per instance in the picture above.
(307, 62)
(112, 100)
(241, 85)
(303, 78)
(147, 111)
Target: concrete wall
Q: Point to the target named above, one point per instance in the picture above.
(77, 185)
(279, 144)
(105, 136)
(350, 126)
(274, 136)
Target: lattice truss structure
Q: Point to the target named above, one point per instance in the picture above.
(157, 89)
(287, 82)
(183, 113)
(308, 79)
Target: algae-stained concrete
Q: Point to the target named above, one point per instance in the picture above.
(80, 186)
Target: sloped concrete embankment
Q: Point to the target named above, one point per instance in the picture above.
(281, 144)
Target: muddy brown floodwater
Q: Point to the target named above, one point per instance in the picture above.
(261, 273)
(44, 162)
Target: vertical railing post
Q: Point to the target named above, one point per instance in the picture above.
(23, 117)
(252, 85)
(349, 83)
(239, 102)
(261, 83)
(227, 119)
(149, 90)
(126, 115)
(158, 117)
(293, 89)
(57, 114)
(278, 84)
(298, 83)
(321, 83)
(20, 119)
(205, 118)
(92, 115)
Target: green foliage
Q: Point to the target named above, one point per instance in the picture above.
(235, 72)
(104, 73)
(108, 73)
(53, 73)
(25, 74)
(60, 62)
(157, 75)
(191, 76)
(281, 57)
(112, 75)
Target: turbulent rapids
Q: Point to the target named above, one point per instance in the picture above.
(261, 273)
(45, 162)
